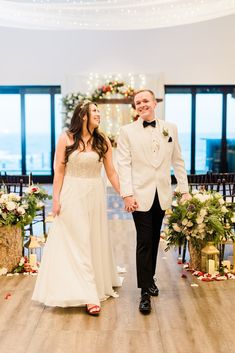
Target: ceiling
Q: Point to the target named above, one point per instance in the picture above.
(109, 14)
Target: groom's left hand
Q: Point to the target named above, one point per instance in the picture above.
(130, 204)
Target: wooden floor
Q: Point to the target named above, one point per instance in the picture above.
(184, 319)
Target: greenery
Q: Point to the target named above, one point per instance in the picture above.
(20, 210)
(204, 217)
(70, 101)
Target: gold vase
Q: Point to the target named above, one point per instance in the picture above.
(195, 254)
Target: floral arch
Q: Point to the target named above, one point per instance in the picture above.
(112, 92)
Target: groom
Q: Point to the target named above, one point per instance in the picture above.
(147, 148)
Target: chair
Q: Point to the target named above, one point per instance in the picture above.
(15, 183)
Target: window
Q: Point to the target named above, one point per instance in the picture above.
(29, 116)
(10, 133)
(208, 132)
(178, 111)
(207, 118)
(231, 132)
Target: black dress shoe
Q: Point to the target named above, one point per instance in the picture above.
(153, 290)
(145, 303)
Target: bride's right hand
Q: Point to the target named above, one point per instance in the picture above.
(56, 208)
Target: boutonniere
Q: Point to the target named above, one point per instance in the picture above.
(165, 132)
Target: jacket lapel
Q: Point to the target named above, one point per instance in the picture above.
(161, 141)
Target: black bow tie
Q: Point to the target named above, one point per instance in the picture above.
(152, 123)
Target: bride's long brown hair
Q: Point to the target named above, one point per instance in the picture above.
(97, 139)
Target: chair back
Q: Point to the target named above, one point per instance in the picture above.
(223, 183)
(15, 183)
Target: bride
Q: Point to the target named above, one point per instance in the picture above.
(77, 267)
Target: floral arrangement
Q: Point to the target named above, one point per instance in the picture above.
(113, 88)
(20, 210)
(105, 91)
(25, 266)
(204, 217)
(39, 194)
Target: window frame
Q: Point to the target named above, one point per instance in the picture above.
(22, 91)
(206, 89)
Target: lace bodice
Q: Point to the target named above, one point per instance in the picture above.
(83, 165)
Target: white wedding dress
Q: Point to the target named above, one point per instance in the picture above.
(77, 266)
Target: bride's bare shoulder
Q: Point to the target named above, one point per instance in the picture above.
(66, 138)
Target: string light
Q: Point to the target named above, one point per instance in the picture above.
(113, 116)
(109, 14)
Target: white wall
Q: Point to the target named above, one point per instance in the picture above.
(202, 53)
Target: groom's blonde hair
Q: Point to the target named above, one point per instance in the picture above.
(143, 90)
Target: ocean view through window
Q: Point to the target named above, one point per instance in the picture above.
(28, 116)
(205, 116)
(31, 123)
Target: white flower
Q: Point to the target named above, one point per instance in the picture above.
(199, 197)
(224, 209)
(22, 261)
(176, 227)
(203, 212)
(4, 198)
(14, 197)
(11, 205)
(199, 220)
(201, 226)
(25, 205)
(185, 222)
(3, 271)
(21, 210)
(195, 191)
(202, 197)
(189, 224)
(221, 201)
(40, 204)
(174, 203)
(202, 235)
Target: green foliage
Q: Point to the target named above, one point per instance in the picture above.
(20, 211)
(203, 217)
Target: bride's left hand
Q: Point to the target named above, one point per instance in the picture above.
(56, 208)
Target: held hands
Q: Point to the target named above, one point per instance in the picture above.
(131, 204)
(56, 208)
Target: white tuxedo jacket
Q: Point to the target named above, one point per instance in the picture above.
(145, 157)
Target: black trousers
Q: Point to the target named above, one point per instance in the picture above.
(148, 226)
